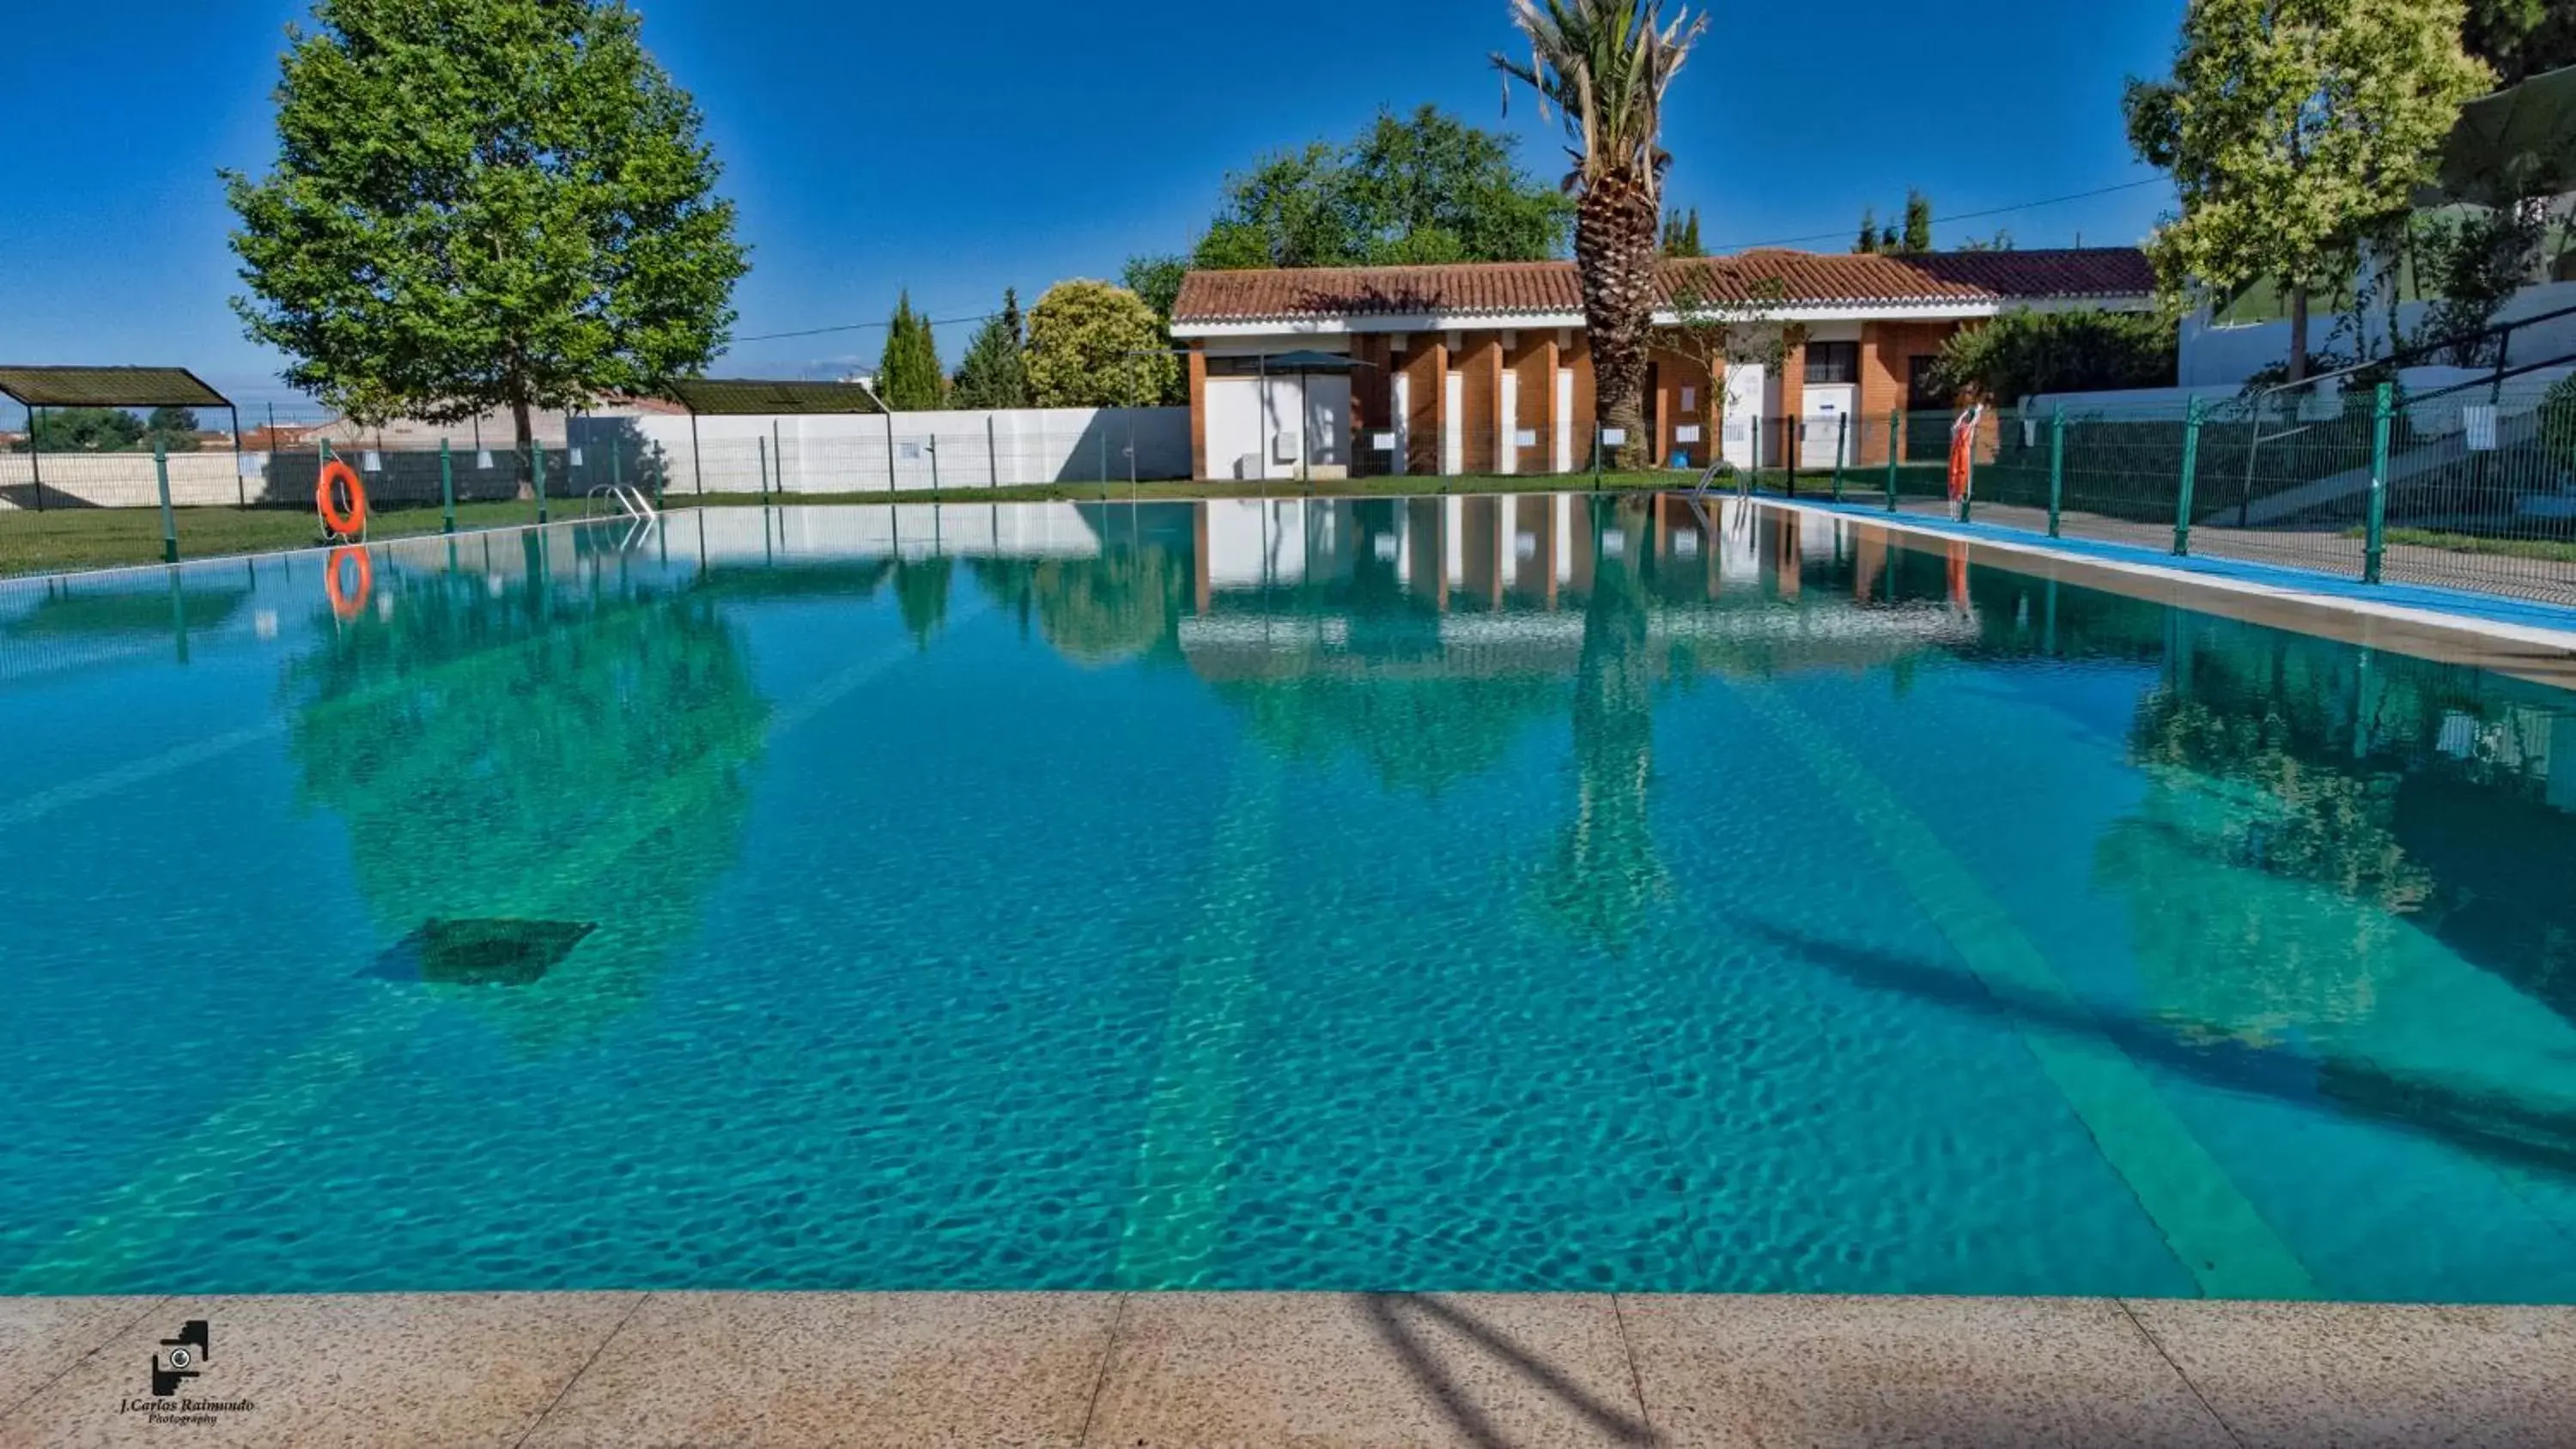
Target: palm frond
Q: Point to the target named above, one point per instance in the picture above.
(1605, 65)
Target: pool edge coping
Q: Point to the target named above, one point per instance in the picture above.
(2286, 584)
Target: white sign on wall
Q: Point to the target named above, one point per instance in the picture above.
(1525, 438)
(1613, 437)
(1686, 435)
(1383, 442)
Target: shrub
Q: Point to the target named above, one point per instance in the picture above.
(2026, 352)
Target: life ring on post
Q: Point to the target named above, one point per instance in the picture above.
(348, 604)
(326, 500)
(1963, 451)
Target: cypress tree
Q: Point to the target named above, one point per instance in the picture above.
(1918, 222)
(1868, 230)
(995, 371)
(909, 377)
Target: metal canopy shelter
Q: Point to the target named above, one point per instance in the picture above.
(736, 397)
(2518, 142)
(37, 388)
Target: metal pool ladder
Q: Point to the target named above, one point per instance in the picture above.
(630, 500)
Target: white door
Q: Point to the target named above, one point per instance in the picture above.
(1741, 410)
(1829, 409)
(1236, 437)
(1453, 425)
(1328, 422)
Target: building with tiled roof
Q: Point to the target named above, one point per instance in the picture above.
(1482, 367)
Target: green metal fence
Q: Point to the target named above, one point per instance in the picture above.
(2472, 486)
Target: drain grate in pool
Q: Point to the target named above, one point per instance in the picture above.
(488, 952)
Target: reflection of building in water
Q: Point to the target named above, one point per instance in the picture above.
(1498, 585)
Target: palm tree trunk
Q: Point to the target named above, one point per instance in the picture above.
(1614, 251)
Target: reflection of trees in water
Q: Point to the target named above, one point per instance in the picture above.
(2265, 883)
(921, 588)
(1425, 733)
(1605, 874)
(1126, 603)
(583, 762)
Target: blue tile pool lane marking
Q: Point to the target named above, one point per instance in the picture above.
(2206, 1220)
(128, 1228)
(124, 1231)
(1176, 1211)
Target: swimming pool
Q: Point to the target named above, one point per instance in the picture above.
(1502, 893)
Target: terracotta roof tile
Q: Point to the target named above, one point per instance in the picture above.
(1552, 287)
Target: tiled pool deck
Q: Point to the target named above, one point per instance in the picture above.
(2318, 602)
(1200, 1370)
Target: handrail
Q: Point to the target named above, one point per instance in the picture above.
(2503, 330)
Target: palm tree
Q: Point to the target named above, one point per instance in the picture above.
(1605, 65)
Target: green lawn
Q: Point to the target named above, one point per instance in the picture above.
(65, 539)
(62, 539)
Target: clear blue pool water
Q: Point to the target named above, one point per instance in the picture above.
(1537, 893)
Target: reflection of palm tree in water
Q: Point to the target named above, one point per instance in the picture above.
(586, 761)
(1605, 875)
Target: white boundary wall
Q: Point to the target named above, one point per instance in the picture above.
(849, 453)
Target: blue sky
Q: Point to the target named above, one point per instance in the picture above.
(955, 149)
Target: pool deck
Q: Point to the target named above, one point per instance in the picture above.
(1198, 1370)
(2528, 637)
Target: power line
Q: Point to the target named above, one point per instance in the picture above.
(862, 327)
(1960, 216)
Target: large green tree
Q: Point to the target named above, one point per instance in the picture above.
(909, 378)
(1092, 345)
(2294, 129)
(995, 370)
(1604, 66)
(1422, 188)
(2522, 38)
(482, 204)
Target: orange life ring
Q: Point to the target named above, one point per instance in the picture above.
(1963, 451)
(343, 604)
(326, 500)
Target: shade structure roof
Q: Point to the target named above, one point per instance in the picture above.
(2520, 141)
(108, 387)
(743, 397)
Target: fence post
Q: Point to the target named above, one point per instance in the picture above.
(2056, 467)
(537, 475)
(2382, 412)
(2190, 479)
(1842, 439)
(762, 444)
(1793, 437)
(1596, 460)
(1895, 426)
(616, 473)
(992, 454)
(446, 488)
(169, 520)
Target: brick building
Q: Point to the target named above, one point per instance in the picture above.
(1481, 367)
